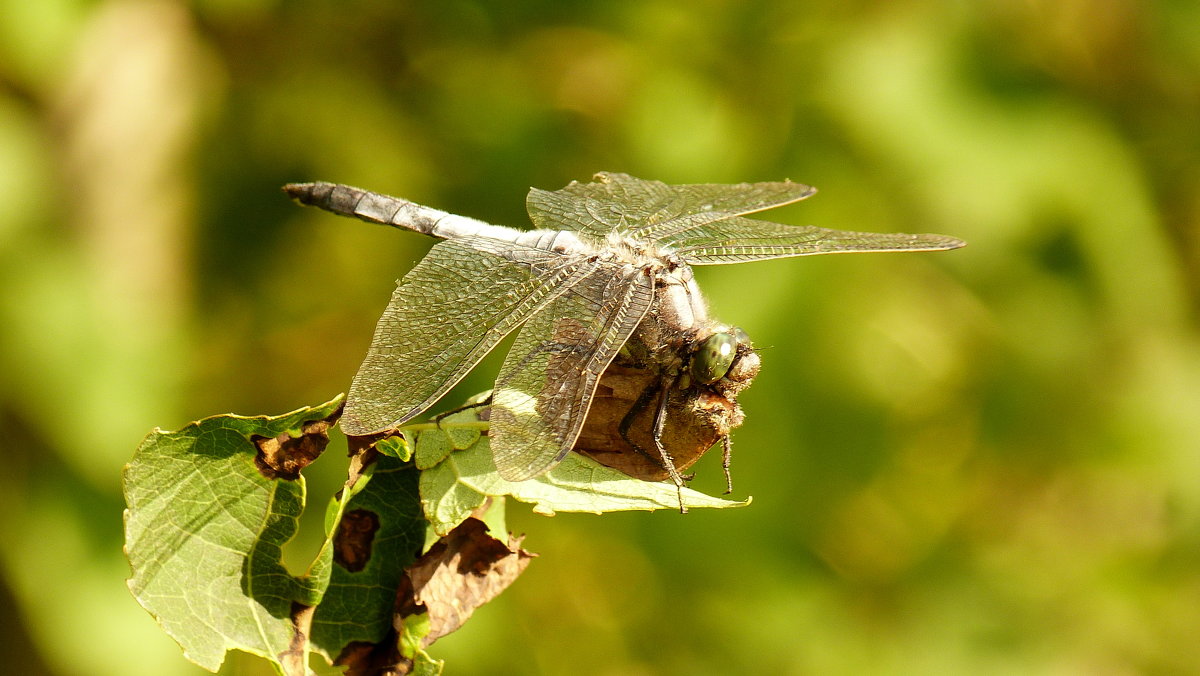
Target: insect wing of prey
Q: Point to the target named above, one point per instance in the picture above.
(577, 287)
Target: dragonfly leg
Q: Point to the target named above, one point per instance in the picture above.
(660, 421)
(437, 419)
(662, 458)
(630, 417)
(627, 421)
(726, 455)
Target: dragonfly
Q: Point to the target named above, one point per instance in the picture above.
(600, 292)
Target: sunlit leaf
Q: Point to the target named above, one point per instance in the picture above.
(395, 446)
(459, 485)
(209, 508)
(380, 533)
(432, 447)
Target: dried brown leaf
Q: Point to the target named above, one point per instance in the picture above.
(285, 456)
(464, 570)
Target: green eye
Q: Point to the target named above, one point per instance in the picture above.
(714, 357)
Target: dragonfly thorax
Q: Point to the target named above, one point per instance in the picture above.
(642, 254)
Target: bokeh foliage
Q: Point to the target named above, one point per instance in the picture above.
(980, 461)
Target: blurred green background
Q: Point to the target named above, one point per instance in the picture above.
(985, 461)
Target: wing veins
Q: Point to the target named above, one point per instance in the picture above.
(534, 428)
(370, 407)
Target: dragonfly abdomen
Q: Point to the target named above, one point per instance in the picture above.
(374, 207)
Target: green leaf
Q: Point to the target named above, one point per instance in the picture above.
(414, 629)
(395, 447)
(208, 509)
(432, 447)
(459, 484)
(424, 665)
(494, 518)
(380, 533)
(463, 437)
(455, 432)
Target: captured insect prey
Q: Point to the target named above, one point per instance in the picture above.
(615, 355)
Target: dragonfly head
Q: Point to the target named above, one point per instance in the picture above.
(725, 353)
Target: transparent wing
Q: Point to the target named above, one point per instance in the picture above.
(736, 240)
(445, 315)
(650, 210)
(546, 385)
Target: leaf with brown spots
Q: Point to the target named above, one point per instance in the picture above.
(464, 570)
(381, 532)
(285, 455)
(436, 595)
(355, 535)
(205, 527)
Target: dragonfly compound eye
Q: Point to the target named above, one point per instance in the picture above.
(742, 337)
(714, 357)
